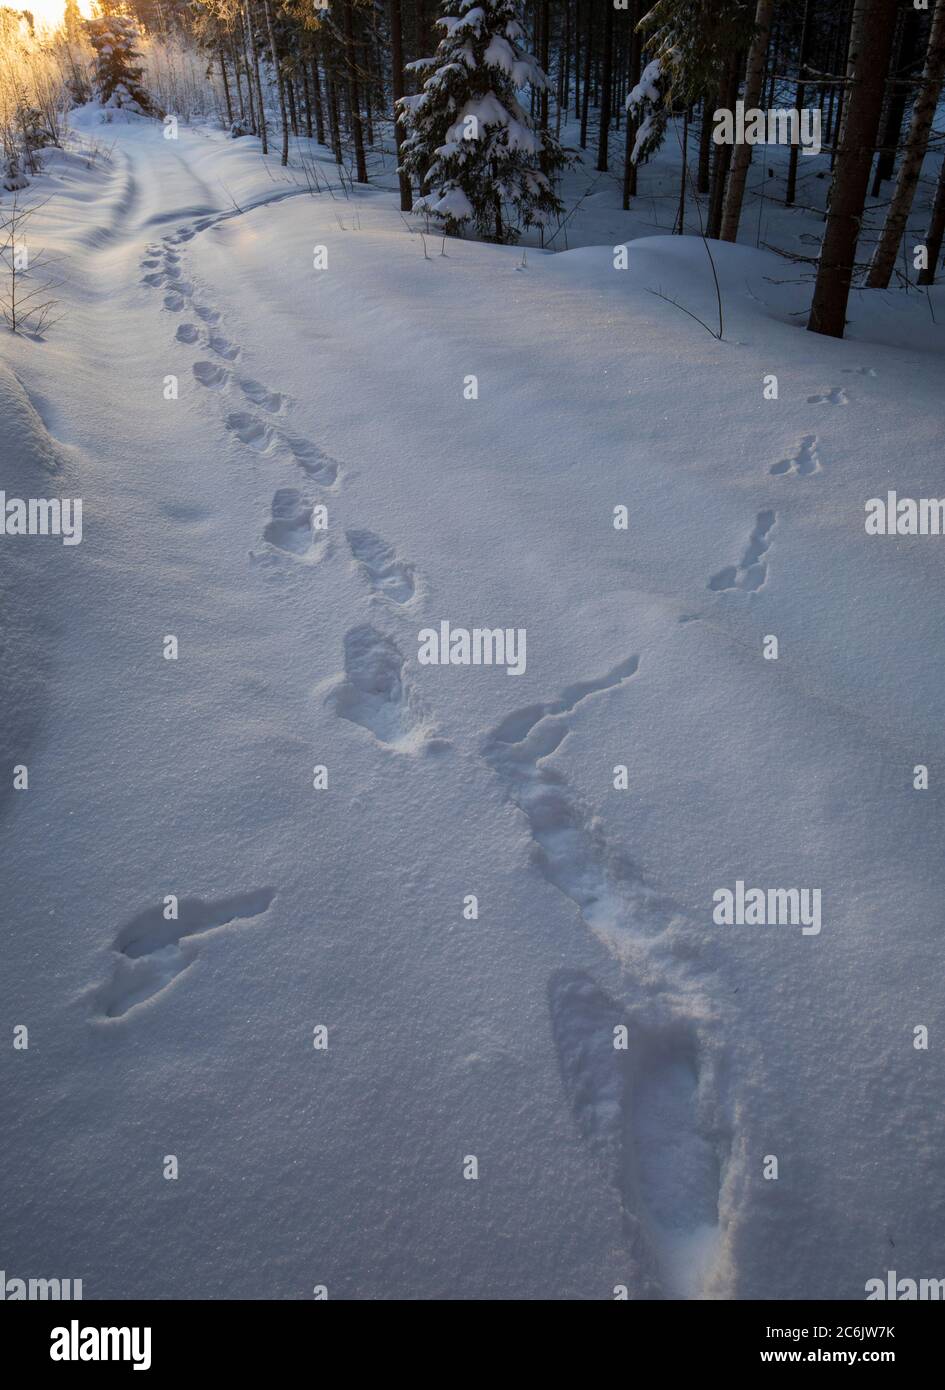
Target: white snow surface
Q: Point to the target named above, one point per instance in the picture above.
(343, 907)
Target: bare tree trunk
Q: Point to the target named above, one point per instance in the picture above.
(884, 257)
(397, 72)
(875, 27)
(741, 158)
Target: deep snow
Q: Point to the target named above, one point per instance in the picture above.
(343, 907)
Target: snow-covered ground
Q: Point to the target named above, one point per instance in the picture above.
(346, 388)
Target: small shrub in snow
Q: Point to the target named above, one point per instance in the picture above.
(470, 144)
(13, 176)
(35, 128)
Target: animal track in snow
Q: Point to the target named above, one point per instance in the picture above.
(261, 395)
(385, 573)
(804, 461)
(638, 1110)
(835, 396)
(152, 951)
(290, 529)
(373, 692)
(187, 333)
(208, 315)
(309, 457)
(752, 572)
(249, 430)
(223, 347)
(149, 264)
(609, 891)
(210, 375)
(174, 302)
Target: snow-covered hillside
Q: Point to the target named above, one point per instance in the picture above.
(235, 355)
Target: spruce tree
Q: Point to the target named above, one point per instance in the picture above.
(470, 145)
(689, 43)
(117, 66)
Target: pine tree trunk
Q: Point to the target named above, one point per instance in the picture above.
(354, 98)
(260, 105)
(728, 90)
(368, 85)
(543, 59)
(564, 71)
(896, 96)
(884, 257)
(606, 79)
(875, 27)
(588, 48)
(397, 76)
(681, 214)
(235, 60)
(705, 147)
(317, 92)
(858, 44)
(578, 53)
(741, 158)
(226, 86)
(633, 77)
(267, 10)
(334, 117)
(803, 55)
(933, 241)
(290, 97)
(307, 94)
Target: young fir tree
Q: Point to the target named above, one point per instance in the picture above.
(470, 144)
(117, 66)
